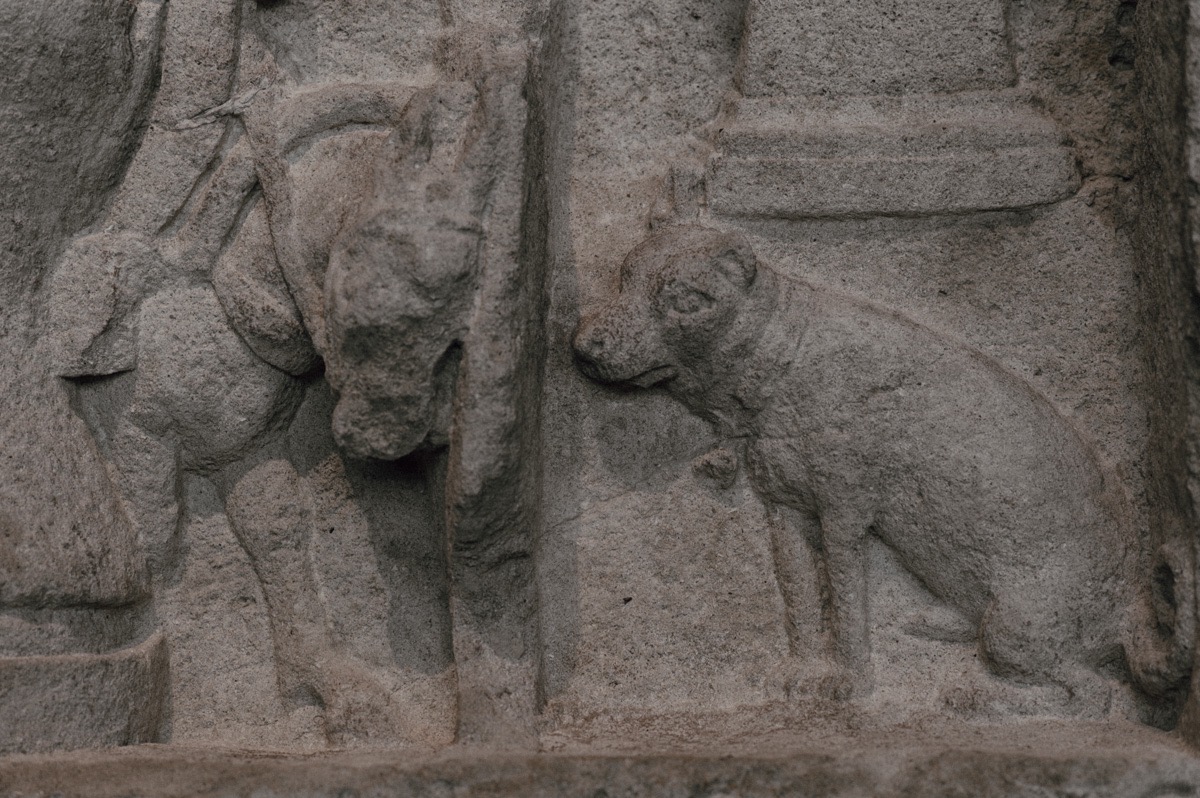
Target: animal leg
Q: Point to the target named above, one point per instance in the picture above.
(843, 540)
(1023, 641)
(270, 515)
(144, 466)
(148, 473)
(792, 538)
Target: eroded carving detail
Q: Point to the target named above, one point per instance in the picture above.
(307, 334)
(205, 334)
(855, 422)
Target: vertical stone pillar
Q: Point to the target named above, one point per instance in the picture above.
(1191, 54)
(1169, 245)
(493, 482)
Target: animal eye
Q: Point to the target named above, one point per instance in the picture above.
(686, 299)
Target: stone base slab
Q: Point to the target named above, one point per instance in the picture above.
(1030, 760)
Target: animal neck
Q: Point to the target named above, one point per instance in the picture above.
(745, 375)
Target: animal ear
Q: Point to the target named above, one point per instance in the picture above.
(737, 261)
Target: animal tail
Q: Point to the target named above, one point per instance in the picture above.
(1160, 648)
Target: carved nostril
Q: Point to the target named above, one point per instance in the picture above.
(589, 344)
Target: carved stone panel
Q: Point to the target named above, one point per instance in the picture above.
(579, 398)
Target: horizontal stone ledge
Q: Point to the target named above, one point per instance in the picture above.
(963, 182)
(873, 139)
(1033, 760)
(50, 631)
(993, 113)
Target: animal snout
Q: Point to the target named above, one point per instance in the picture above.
(380, 428)
(591, 346)
(590, 341)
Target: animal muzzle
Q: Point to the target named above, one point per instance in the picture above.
(610, 347)
(591, 347)
(391, 414)
(383, 427)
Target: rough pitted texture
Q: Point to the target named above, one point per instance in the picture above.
(872, 47)
(1085, 763)
(596, 397)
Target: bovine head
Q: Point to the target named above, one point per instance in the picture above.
(397, 305)
(684, 307)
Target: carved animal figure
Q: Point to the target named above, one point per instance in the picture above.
(201, 327)
(205, 360)
(855, 421)
(399, 294)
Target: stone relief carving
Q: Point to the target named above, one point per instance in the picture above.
(73, 592)
(915, 183)
(855, 422)
(380, 442)
(202, 339)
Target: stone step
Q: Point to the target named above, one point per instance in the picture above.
(66, 701)
(888, 156)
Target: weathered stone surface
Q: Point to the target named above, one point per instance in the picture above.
(872, 47)
(83, 700)
(912, 155)
(639, 396)
(74, 96)
(902, 186)
(1088, 763)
